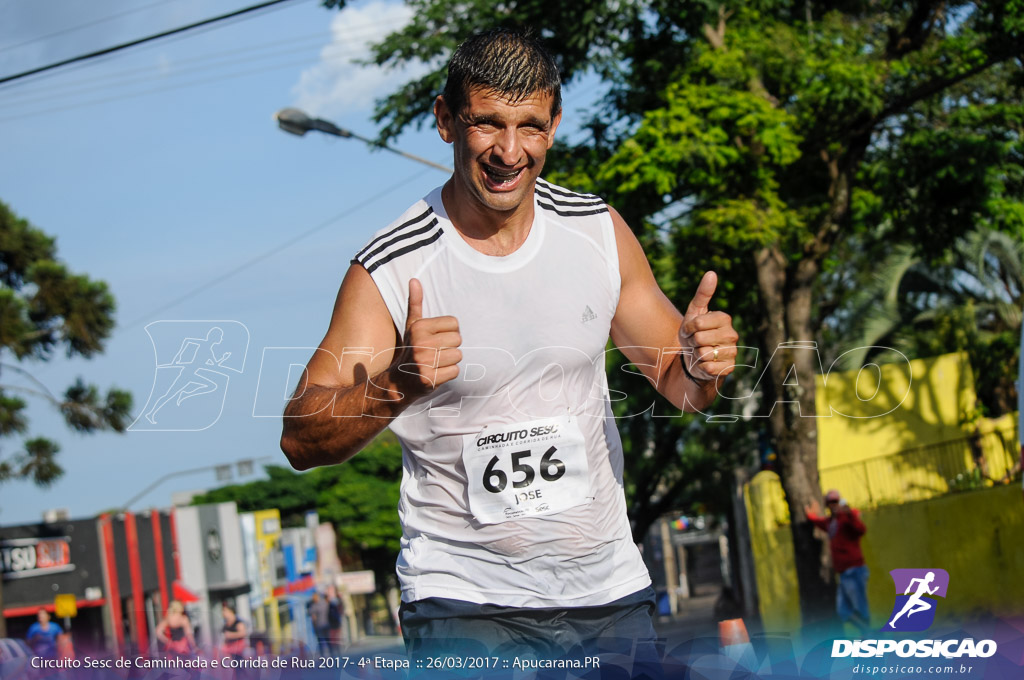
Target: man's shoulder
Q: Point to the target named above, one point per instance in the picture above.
(416, 228)
(559, 201)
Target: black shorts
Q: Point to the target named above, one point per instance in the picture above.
(620, 631)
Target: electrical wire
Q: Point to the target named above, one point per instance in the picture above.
(38, 91)
(158, 90)
(122, 46)
(205, 23)
(273, 251)
(81, 26)
(353, 33)
(329, 55)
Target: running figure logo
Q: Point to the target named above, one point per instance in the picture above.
(194, 362)
(914, 610)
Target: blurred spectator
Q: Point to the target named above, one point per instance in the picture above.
(233, 632)
(335, 619)
(42, 636)
(845, 529)
(175, 631)
(319, 614)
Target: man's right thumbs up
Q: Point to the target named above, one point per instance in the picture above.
(415, 311)
(430, 354)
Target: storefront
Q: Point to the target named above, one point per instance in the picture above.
(212, 566)
(298, 555)
(261, 540)
(119, 569)
(41, 561)
(139, 552)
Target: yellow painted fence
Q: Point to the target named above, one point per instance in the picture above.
(977, 536)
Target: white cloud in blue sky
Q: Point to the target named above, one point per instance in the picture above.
(338, 84)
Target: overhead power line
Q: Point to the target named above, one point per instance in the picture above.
(33, 93)
(140, 41)
(72, 29)
(163, 88)
(269, 253)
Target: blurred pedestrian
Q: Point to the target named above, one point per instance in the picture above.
(318, 614)
(234, 631)
(845, 529)
(42, 636)
(335, 620)
(175, 631)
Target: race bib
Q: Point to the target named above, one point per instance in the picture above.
(526, 469)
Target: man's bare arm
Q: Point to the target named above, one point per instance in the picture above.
(363, 375)
(651, 332)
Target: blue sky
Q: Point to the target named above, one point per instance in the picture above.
(159, 169)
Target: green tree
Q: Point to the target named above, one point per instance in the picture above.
(45, 308)
(968, 300)
(359, 497)
(787, 144)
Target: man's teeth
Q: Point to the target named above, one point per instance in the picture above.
(503, 175)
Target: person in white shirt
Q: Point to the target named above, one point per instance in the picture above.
(475, 326)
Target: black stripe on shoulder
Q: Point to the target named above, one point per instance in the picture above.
(401, 226)
(582, 212)
(407, 249)
(401, 237)
(581, 202)
(554, 189)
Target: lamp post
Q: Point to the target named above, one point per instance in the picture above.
(223, 470)
(298, 122)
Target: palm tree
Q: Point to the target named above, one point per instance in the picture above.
(970, 300)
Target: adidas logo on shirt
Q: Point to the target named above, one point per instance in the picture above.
(587, 315)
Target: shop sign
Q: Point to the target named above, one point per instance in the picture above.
(357, 582)
(25, 557)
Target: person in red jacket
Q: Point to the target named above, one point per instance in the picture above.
(845, 529)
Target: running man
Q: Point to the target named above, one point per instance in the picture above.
(482, 315)
(915, 604)
(194, 375)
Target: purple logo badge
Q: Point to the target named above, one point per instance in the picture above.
(914, 609)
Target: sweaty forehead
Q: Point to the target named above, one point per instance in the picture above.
(483, 98)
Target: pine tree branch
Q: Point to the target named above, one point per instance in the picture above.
(21, 371)
(37, 393)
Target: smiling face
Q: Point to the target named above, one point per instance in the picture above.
(499, 147)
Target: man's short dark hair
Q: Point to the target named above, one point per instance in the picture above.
(510, 63)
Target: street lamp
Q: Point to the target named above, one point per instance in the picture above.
(299, 123)
(223, 470)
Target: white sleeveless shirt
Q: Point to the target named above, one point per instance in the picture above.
(511, 489)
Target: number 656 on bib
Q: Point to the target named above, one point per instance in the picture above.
(526, 469)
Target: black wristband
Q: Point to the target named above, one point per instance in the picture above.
(686, 370)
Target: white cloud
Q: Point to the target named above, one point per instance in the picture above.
(337, 85)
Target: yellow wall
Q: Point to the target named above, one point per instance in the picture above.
(268, 532)
(926, 405)
(912, 521)
(772, 545)
(976, 536)
(924, 401)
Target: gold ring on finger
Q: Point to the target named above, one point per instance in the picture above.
(714, 354)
